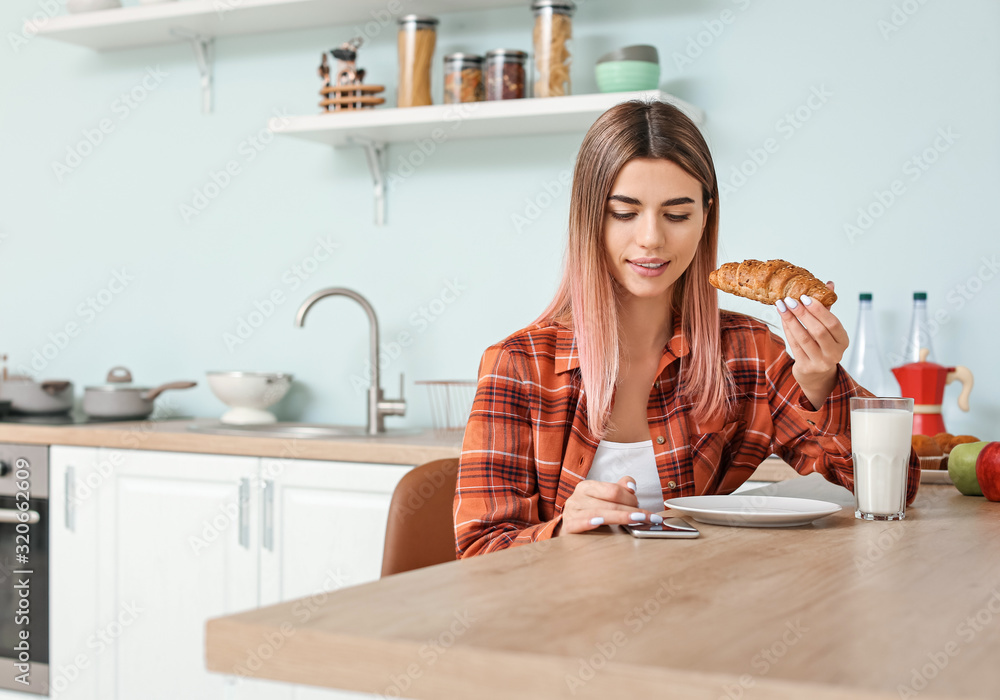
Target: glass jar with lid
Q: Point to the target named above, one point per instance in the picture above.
(463, 78)
(552, 34)
(416, 40)
(504, 74)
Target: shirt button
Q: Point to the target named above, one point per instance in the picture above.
(660, 440)
(671, 485)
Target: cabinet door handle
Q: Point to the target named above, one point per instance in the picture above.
(268, 516)
(244, 516)
(70, 512)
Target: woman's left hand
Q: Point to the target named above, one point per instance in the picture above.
(818, 342)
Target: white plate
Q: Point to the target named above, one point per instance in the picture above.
(752, 511)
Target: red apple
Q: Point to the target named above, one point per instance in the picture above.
(988, 471)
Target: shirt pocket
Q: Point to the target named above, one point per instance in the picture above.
(713, 448)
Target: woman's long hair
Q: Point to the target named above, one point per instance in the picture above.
(586, 299)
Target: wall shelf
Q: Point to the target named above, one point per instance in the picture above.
(148, 25)
(375, 129)
(472, 120)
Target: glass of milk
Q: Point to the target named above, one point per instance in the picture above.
(881, 430)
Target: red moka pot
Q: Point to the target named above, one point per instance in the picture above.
(924, 382)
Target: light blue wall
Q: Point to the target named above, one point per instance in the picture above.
(888, 95)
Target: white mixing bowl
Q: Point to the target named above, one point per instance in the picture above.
(248, 394)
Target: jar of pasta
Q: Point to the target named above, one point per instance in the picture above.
(505, 74)
(417, 36)
(553, 31)
(463, 78)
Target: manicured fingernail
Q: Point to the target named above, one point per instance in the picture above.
(806, 299)
(654, 518)
(781, 306)
(631, 485)
(597, 521)
(638, 516)
(791, 303)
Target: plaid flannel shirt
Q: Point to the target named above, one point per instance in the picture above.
(527, 444)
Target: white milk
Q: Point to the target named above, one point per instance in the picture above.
(880, 441)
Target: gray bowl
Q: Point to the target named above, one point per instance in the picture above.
(637, 52)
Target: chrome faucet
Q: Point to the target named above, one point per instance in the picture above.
(378, 407)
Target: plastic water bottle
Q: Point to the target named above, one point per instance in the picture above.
(865, 363)
(919, 335)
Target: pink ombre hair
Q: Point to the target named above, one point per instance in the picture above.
(586, 300)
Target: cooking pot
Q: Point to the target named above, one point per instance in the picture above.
(119, 399)
(28, 396)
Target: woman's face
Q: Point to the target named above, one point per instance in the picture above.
(653, 221)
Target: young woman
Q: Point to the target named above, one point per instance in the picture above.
(632, 386)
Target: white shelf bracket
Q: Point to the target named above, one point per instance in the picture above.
(377, 154)
(204, 56)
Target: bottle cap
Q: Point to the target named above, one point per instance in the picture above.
(920, 296)
(420, 21)
(865, 296)
(565, 7)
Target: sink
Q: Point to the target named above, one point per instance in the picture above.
(311, 431)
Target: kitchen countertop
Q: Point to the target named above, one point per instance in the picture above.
(174, 436)
(841, 608)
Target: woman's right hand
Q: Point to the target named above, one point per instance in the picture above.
(596, 503)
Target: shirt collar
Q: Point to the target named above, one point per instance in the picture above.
(568, 358)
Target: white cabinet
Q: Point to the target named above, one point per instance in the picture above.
(182, 549)
(322, 528)
(146, 546)
(76, 653)
(322, 525)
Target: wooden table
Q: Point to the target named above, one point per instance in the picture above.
(837, 609)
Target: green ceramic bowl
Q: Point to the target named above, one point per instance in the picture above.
(623, 76)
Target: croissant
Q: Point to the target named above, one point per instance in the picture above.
(769, 281)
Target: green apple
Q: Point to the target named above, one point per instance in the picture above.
(962, 467)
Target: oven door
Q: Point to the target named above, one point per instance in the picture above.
(24, 594)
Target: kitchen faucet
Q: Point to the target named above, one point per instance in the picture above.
(378, 408)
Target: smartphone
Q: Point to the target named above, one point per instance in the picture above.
(671, 528)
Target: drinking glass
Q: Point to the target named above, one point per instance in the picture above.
(881, 432)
